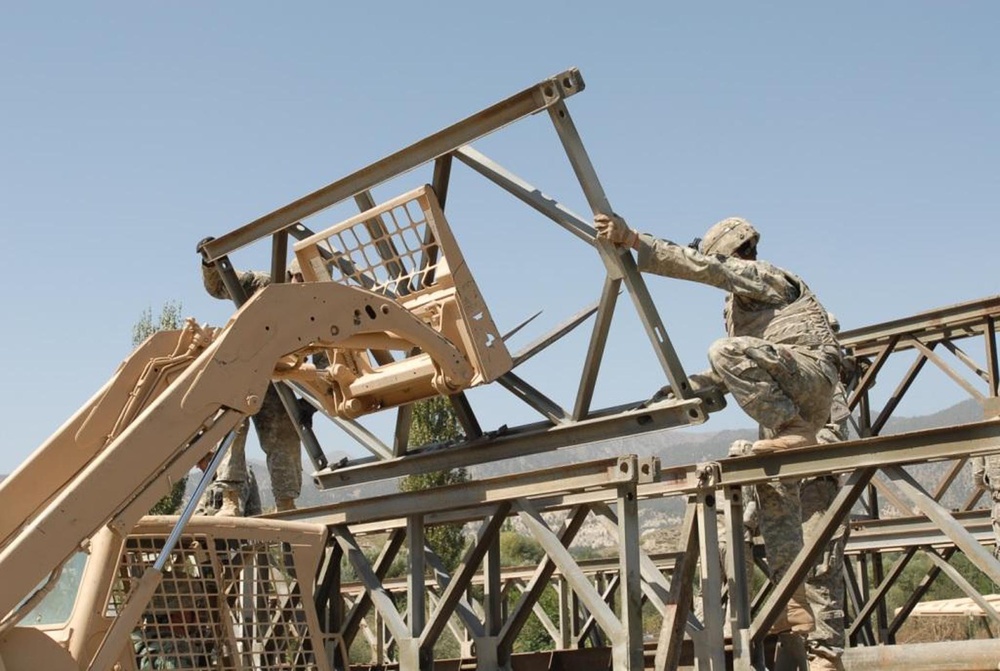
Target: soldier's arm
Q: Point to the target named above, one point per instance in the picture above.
(251, 281)
(754, 280)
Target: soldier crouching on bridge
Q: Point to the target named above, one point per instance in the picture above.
(780, 362)
(278, 437)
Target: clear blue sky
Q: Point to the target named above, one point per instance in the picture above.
(860, 137)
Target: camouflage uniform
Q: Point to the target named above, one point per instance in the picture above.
(781, 359)
(277, 435)
(986, 476)
(825, 582)
(780, 362)
(249, 494)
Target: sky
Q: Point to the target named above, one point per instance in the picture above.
(861, 138)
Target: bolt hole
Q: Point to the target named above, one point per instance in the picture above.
(370, 311)
(549, 91)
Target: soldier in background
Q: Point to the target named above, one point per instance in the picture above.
(275, 431)
(986, 476)
(780, 362)
(211, 502)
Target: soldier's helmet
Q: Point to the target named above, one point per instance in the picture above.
(727, 236)
(293, 269)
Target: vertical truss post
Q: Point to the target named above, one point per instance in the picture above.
(630, 577)
(411, 657)
(565, 617)
(737, 587)
(710, 567)
(668, 647)
(993, 368)
(329, 604)
(493, 596)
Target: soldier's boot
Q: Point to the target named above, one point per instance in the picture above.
(283, 503)
(797, 616)
(230, 503)
(796, 433)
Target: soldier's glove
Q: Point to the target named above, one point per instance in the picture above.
(697, 382)
(740, 448)
(306, 412)
(200, 248)
(615, 230)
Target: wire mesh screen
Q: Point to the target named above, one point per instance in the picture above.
(393, 252)
(222, 604)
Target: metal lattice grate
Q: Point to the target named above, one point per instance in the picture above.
(392, 253)
(235, 606)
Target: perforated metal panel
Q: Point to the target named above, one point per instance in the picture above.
(222, 604)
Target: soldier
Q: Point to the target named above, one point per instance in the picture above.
(278, 437)
(986, 476)
(780, 362)
(212, 501)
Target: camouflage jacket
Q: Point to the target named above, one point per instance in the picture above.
(764, 300)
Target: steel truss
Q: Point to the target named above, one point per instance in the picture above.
(559, 426)
(603, 608)
(601, 602)
(867, 465)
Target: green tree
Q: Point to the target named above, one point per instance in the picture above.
(518, 549)
(170, 319)
(434, 421)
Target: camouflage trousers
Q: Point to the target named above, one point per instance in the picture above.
(825, 582)
(775, 383)
(780, 524)
(280, 443)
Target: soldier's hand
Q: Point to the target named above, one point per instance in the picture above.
(306, 412)
(614, 229)
(200, 248)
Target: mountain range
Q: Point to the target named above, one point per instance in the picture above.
(673, 447)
